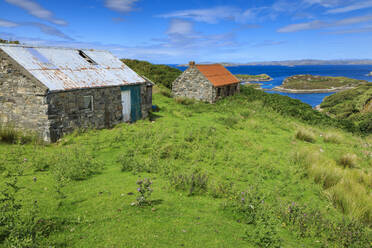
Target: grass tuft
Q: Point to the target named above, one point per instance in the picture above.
(305, 135)
(348, 160)
(332, 138)
(184, 101)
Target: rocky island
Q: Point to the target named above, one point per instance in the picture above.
(370, 74)
(317, 84)
(254, 78)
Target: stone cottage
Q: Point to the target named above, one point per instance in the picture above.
(52, 91)
(205, 83)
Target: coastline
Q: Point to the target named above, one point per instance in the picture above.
(309, 91)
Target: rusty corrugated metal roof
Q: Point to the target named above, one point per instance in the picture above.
(66, 68)
(217, 75)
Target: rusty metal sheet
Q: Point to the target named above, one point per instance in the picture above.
(65, 69)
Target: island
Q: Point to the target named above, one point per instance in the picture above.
(317, 84)
(370, 74)
(254, 78)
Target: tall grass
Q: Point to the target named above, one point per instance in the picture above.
(346, 187)
(348, 160)
(334, 138)
(305, 135)
(9, 134)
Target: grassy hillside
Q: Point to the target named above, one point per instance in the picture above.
(159, 74)
(246, 172)
(310, 82)
(354, 105)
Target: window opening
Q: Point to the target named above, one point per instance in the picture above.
(218, 92)
(88, 103)
(87, 58)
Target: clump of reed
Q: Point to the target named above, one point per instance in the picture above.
(348, 160)
(305, 135)
(332, 137)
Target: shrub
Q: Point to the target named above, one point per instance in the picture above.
(305, 136)
(195, 182)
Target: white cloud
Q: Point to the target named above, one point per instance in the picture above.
(122, 6)
(302, 26)
(180, 27)
(212, 15)
(349, 8)
(7, 24)
(319, 24)
(36, 10)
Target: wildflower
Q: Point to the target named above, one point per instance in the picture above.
(139, 189)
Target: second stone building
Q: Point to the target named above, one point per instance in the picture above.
(205, 83)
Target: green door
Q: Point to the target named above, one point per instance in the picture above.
(135, 98)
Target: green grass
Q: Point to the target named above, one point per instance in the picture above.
(160, 74)
(224, 175)
(354, 105)
(309, 82)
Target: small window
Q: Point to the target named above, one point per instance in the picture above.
(88, 103)
(87, 58)
(218, 92)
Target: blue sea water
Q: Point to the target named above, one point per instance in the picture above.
(279, 73)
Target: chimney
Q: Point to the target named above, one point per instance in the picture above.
(192, 63)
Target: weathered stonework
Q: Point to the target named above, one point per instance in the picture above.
(146, 99)
(193, 84)
(27, 104)
(22, 99)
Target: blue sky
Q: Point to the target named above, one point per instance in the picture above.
(168, 31)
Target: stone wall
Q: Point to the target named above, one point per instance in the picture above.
(66, 110)
(227, 90)
(193, 84)
(146, 99)
(22, 99)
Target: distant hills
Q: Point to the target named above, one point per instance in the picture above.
(301, 62)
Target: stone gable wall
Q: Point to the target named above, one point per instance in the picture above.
(66, 111)
(193, 84)
(22, 99)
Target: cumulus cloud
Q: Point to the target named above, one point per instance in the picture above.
(7, 24)
(37, 10)
(122, 6)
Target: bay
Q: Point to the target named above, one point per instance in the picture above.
(279, 73)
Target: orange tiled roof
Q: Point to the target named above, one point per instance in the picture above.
(217, 75)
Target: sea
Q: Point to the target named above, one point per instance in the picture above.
(279, 73)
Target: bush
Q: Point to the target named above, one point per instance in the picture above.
(305, 136)
(348, 160)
